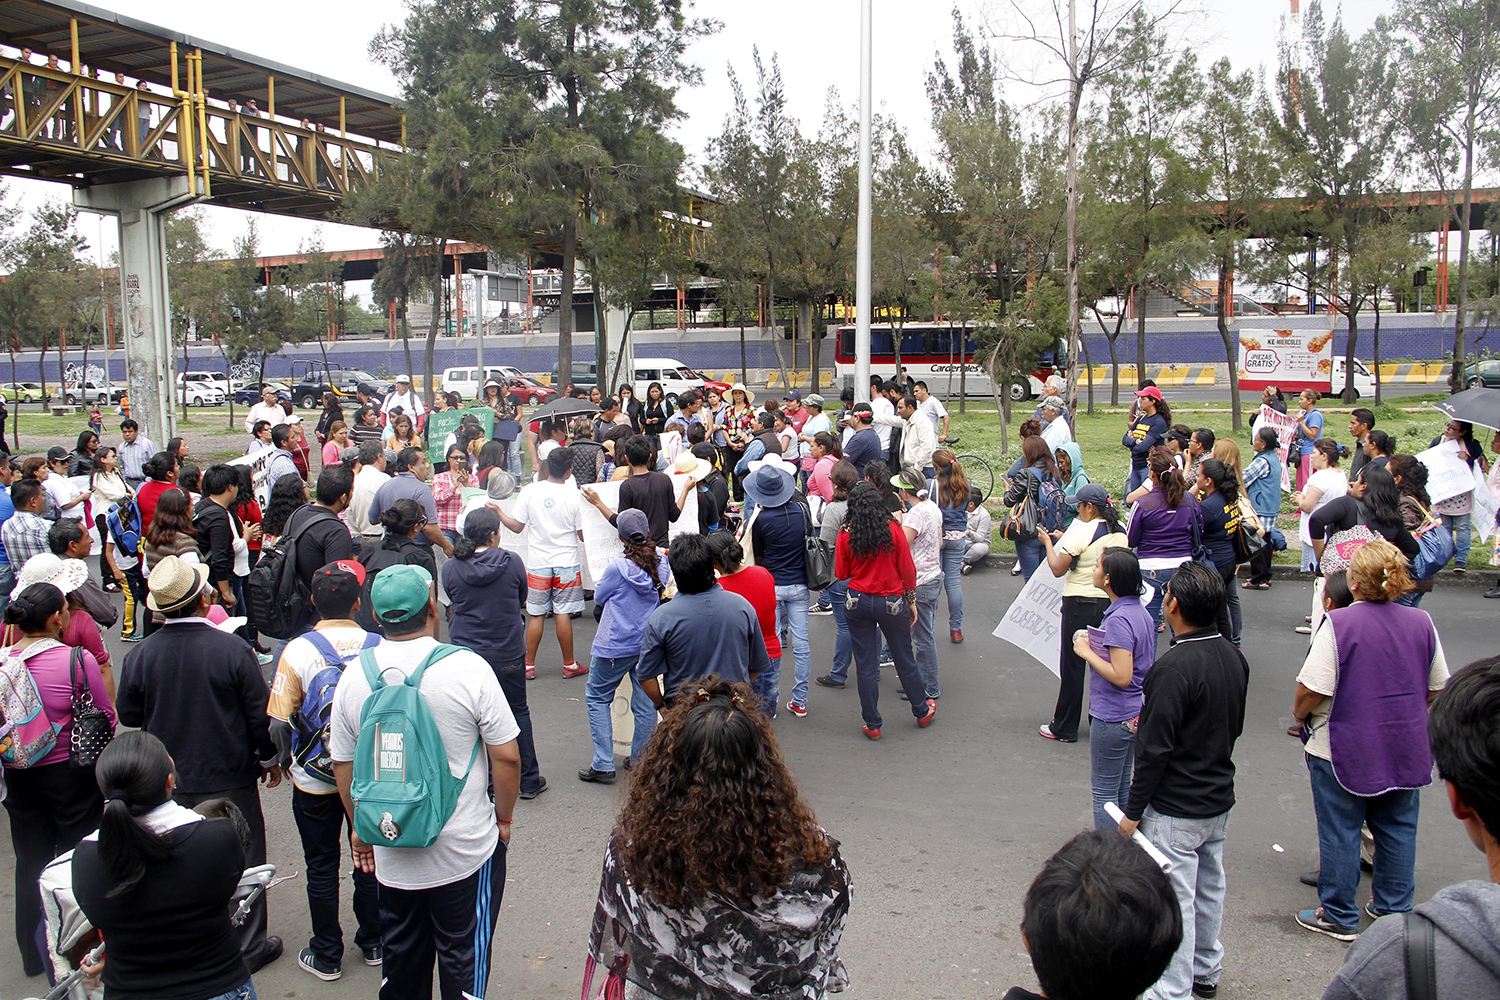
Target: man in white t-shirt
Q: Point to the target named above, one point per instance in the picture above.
(551, 513)
(437, 902)
(306, 678)
(63, 494)
(402, 396)
(882, 407)
(268, 409)
(932, 408)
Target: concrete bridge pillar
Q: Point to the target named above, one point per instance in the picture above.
(141, 207)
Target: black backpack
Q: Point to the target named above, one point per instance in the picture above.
(279, 599)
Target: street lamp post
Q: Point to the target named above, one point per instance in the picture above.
(862, 244)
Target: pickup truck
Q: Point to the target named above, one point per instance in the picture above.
(308, 390)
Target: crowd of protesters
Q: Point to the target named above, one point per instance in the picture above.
(858, 513)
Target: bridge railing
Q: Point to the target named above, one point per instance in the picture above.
(102, 120)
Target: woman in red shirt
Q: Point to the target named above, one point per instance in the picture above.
(873, 555)
(756, 585)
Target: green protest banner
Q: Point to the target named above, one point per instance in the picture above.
(441, 424)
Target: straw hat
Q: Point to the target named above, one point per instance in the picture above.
(740, 387)
(175, 584)
(67, 575)
(688, 464)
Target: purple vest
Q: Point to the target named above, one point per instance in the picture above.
(1377, 727)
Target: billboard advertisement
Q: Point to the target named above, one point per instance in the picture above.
(1288, 359)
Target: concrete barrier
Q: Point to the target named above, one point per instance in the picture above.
(1207, 375)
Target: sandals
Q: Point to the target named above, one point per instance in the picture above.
(1303, 630)
(1247, 585)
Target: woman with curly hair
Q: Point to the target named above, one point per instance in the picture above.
(689, 906)
(951, 493)
(872, 553)
(1410, 477)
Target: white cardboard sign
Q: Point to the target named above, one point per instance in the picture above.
(1448, 475)
(1033, 622)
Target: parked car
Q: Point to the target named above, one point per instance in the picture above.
(585, 374)
(249, 394)
(712, 383)
(528, 391)
(1484, 374)
(218, 380)
(21, 392)
(93, 392)
(307, 392)
(675, 377)
(201, 394)
(467, 383)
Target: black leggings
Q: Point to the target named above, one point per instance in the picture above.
(104, 573)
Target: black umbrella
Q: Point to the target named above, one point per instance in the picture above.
(561, 407)
(1474, 406)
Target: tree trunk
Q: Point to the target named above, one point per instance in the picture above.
(963, 370)
(432, 325)
(565, 302)
(406, 338)
(744, 369)
(41, 368)
(1002, 400)
(1140, 335)
(184, 368)
(1376, 335)
(1229, 345)
(1075, 97)
(816, 331)
(1350, 393)
(15, 418)
(1460, 348)
(896, 333)
(228, 377)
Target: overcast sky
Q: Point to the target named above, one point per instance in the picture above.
(815, 40)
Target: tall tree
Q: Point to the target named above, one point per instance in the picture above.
(1387, 256)
(405, 272)
(1334, 136)
(1447, 103)
(1238, 176)
(903, 245)
(1011, 343)
(528, 116)
(199, 277)
(748, 170)
(1140, 175)
(1085, 38)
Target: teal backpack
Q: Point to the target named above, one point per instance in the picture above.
(403, 789)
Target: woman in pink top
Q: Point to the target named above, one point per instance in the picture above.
(51, 805)
(826, 453)
(338, 440)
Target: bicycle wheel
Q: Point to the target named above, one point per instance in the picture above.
(979, 473)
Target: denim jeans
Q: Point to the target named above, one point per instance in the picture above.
(605, 675)
(1030, 554)
(791, 615)
(1393, 822)
(1459, 525)
(1411, 599)
(1136, 478)
(767, 688)
(843, 646)
(1196, 850)
(924, 635)
(244, 991)
(512, 678)
(320, 823)
(1111, 758)
(1158, 579)
(952, 558)
(513, 458)
(886, 613)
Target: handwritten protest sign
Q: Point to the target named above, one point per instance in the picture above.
(444, 422)
(1034, 620)
(1485, 505)
(1448, 475)
(1285, 426)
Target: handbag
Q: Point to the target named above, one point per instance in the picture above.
(818, 556)
(1244, 534)
(1436, 545)
(507, 430)
(1022, 520)
(91, 727)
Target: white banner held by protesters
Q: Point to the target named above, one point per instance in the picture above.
(1485, 506)
(1448, 475)
(1034, 619)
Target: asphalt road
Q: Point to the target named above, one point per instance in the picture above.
(943, 828)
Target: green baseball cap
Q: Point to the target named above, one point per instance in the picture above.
(399, 593)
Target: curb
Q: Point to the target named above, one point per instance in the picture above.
(1207, 375)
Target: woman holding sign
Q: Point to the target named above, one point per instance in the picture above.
(1074, 557)
(1455, 511)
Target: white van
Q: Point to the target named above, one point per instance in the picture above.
(675, 377)
(467, 383)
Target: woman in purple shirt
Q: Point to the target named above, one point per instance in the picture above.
(1165, 527)
(51, 805)
(1115, 683)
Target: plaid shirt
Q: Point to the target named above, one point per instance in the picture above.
(25, 535)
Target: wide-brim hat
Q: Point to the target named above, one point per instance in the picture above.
(741, 387)
(67, 575)
(688, 464)
(770, 483)
(174, 584)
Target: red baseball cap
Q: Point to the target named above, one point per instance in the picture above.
(1151, 391)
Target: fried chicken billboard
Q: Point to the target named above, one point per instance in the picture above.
(1288, 359)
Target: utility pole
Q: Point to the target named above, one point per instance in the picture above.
(862, 244)
(1074, 96)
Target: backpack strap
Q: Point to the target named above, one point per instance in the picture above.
(414, 679)
(325, 648)
(1421, 957)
